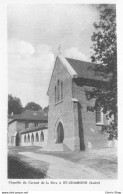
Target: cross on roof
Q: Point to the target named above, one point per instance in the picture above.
(59, 49)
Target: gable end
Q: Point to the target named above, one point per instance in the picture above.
(67, 66)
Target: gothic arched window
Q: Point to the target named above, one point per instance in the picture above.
(58, 87)
(61, 90)
(55, 95)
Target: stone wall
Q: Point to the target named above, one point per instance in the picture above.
(12, 134)
(80, 129)
(21, 125)
(63, 110)
(90, 137)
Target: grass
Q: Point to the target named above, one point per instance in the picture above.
(19, 170)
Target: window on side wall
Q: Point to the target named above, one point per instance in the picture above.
(55, 95)
(59, 91)
(26, 125)
(35, 124)
(99, 116)
(58, 88)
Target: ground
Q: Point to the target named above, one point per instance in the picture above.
(31, 162)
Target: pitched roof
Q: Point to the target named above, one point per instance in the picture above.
(12, 116)
(85, 69)
(31, 116)
(43, 126)
(79, 69)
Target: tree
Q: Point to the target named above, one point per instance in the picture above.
(32, 106)
(14, 105)
(46, 109)
(105, 52)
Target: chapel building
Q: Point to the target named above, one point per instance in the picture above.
(72, 122)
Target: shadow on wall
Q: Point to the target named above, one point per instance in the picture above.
(81, 133)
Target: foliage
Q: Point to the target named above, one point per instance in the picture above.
(46, 109)
(111, 130)
(105, 52)
(32, 106)
(14, 105)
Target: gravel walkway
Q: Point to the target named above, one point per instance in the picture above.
(61, 168)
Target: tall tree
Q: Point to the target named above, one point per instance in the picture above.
(14, 105)
(32, 106)
(46, 109)
(105, 52)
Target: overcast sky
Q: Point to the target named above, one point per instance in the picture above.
(34, 34)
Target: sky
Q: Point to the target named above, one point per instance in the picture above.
(35, 32)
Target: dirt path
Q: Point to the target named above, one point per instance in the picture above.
(61, 168)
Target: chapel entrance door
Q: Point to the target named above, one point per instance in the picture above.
(60, 133)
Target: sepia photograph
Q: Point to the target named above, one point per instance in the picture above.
(62, 91)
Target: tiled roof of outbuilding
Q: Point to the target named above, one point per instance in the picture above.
(12, 116)
(31, 116)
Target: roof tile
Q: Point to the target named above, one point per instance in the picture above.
(85, 69)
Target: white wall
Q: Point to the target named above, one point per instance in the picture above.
(35, 143)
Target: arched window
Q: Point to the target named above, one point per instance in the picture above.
(42, 136)
(58, 88)
(99, 116)
(37, 137)
(55, 95)
(32, 138)
(61, 90)
(24, 138)
(57, 92)
(28, 138)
